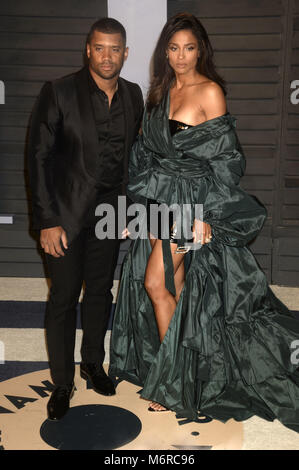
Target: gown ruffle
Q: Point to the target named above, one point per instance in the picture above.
(229, 349)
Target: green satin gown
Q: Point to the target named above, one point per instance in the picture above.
(228, 349)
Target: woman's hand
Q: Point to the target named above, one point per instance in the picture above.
(202, 232)
(125, 233)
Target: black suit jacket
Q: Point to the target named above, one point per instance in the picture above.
(63, 155)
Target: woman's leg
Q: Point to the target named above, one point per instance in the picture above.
(179, 280)
(164, 303)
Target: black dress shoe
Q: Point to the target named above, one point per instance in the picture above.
(98, 378)
(59, 402)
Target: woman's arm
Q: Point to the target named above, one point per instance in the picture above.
(212, 103)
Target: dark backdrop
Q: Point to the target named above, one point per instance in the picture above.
(256, 50)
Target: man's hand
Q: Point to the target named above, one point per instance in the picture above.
(50, 241)
(202, 232)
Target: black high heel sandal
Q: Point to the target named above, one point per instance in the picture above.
(158, 411)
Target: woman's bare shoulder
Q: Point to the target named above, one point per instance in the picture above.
(210, 98)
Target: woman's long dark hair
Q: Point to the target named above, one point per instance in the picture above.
(163, 74)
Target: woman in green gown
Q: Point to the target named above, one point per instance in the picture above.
(196, 324)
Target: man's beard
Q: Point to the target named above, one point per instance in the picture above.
(108, 76)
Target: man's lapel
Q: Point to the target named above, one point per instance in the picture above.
(129, 122)
(88, 128)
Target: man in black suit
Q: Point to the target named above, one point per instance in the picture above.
(83, 126)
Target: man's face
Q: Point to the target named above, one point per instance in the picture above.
(106, 53)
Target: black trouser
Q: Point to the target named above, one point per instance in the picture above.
(93, 261)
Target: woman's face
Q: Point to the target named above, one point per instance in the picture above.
(183, 52)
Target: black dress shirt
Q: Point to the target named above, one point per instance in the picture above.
(110, 126)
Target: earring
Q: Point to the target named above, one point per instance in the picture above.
(166, 56)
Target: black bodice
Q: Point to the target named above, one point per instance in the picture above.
(177, 126)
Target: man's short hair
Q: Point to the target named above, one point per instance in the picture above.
(108, 26)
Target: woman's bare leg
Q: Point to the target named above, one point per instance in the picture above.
(179, 280)
(164, 303)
